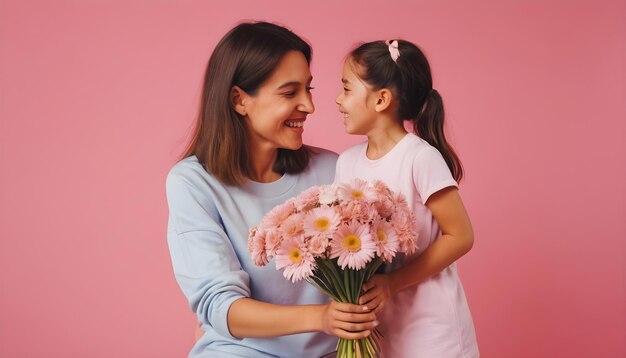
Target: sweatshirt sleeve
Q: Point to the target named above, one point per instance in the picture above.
(204, 261)
(431, 173)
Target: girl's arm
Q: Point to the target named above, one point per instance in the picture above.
(254, 319)
(457, 238)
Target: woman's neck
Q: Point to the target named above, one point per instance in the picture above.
(381, 140)
(262, 161)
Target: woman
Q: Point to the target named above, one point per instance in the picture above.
(245, 157)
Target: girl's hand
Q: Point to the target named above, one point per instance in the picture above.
(348, 321)
(376, 293)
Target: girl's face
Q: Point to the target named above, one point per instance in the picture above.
(275, 115)
(355, 101)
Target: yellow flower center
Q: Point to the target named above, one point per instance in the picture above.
(295, 255)
(352, 243)
(382, 235)
(357, 194)
(321, 224)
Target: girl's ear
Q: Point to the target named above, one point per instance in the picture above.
(238, 99)
(383, 99)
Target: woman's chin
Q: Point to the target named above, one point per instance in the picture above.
(295, 147)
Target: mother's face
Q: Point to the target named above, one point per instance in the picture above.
(275, 116)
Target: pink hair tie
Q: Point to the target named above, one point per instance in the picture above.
(393, 49)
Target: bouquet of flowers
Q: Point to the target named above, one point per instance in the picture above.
(336, 237)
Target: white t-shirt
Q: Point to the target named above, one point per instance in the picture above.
(431, 319)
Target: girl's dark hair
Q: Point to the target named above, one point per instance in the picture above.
(245, 57)
(410, 80)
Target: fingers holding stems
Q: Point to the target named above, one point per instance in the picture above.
(348, 321)
(376, 293)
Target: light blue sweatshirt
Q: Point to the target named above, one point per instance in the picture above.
(207, 236)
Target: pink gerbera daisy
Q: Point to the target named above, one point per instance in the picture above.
(358, 210)
(273, 238)
(328, 194)
(381, 188)
(277, 215)
(307, 199)
(322, 221)
(387, 242)
(317, 245)
(385, 207)
(293, 258)
(356, 189)
(292, 226)
(405, 226)
(353, 245)
(400, 200)
(384, 203)
(256, 247)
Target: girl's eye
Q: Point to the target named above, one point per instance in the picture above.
(346, 90)
(289, 94)
(309, 88)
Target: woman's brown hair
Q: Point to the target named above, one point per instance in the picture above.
(245, 57)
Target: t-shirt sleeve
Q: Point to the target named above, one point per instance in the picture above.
(338, 170)
(204, 261)
(431, 173)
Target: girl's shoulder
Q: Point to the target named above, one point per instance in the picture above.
(421, 149)
(353, 152)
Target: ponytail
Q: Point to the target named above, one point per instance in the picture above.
(428, 125)
(402, 67)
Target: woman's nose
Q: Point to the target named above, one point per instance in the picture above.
(307, 105)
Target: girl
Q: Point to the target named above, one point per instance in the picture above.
(425, 310)
(246, 156)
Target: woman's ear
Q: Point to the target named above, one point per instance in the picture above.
(383, 99)
(238, 100)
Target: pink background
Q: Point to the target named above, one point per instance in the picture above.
(97, 98)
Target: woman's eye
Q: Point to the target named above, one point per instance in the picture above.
(289, 94)
(309, 88)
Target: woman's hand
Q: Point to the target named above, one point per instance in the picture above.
(199, 332)
(347, 321)
(376, 293)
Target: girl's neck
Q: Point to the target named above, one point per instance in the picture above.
(381, 141)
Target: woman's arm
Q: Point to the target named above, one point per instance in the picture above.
(457, 238)
(255, 319)
(211, 277)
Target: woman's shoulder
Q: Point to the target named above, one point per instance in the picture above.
(322, 157)
(321, 168)
(186, 167)
(188, 172)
